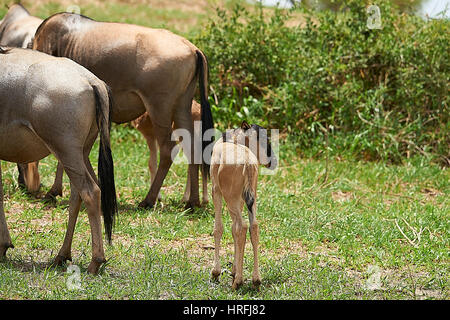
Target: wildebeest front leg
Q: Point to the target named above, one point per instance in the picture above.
(5, 239)
(84, 184)
(56, 189)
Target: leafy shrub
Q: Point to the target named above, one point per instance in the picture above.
(377, 93)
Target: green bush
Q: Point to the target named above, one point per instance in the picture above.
(377, 93)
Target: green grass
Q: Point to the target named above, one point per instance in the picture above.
(184, 17)
(320, 234)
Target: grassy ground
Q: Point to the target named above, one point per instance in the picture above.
(184, 17)
(366, 231)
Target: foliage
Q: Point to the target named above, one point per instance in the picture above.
(376, 93)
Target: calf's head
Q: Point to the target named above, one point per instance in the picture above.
(257, 140)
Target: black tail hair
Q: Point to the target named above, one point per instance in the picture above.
(105, 160)
(249, 199)
(207, 117)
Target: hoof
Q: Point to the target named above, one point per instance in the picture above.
(51, 195)
(237, 284)
(21, 183)
(95, 265)
(192, 204)
(215, 274)
(60, 261)
(146, 205)
(256, 283)
(48, 198)
(5, 248)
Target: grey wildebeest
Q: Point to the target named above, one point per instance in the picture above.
(53, 105)
(18, 27)
(234, 177)
(144, 125)
(17, 30)
(148, 70)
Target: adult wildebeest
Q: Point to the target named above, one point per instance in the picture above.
(18, 27)
(145, 126)
(53, 105)
(17, 30)
(147, 69)
(234, 176)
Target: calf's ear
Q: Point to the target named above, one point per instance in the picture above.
(245, 125)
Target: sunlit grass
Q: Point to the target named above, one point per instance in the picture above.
(318, 236)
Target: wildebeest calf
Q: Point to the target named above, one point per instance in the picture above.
(234, 176)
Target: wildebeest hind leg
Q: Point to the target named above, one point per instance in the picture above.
(218, 229)
(64, 253)
(74, 205)
(239, 231)
(191, 148)
(254, 237)
(165, 161)
(81, 178)
(153, 159)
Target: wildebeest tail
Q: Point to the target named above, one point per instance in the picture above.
(103, 102)
(207, 118)
(249, 192)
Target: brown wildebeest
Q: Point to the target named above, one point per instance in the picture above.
(234, 176)
(53, 105)
(17, 30)
(18, 27)
(144, 125)
(147, 69)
